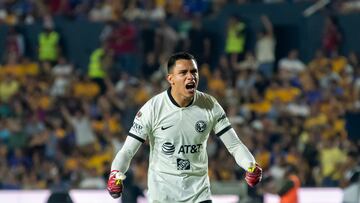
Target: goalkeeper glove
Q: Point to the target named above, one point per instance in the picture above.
(115, 185)
(253, 175)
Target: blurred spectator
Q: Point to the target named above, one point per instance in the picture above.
(62, 73)
(278, 168)
(8, 16)
(166, 39)
(85, 89)
(122, 43)
(101, 12)
(249, 63)
(291, 66)
(246, 75)
(332, 37)
(15, 44)
(235, 39)
(282, 92)
(99, 65)
(56, 7)
(338, 62)
(155, 10)
(133, 12)
(265, 48)
(199, 41)
(49, 43)
(9, 86)
(150, 66)
(91, 180)
(227, 72)
(331, 158)
(148, 37)
(289, 190)
(84, 135)
(217, 85)
(319, 64)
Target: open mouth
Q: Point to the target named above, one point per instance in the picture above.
(190, 87)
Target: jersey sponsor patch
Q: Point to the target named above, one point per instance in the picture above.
(168, 148)
(189, 148)
(137, 128)
(200, 126)
(183, 164)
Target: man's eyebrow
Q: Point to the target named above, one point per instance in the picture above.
(182, 70)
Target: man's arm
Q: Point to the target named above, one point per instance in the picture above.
(242, 156)
(120, 165)
(123, 158)
(240, 152)
(268, 25)
(65, 113)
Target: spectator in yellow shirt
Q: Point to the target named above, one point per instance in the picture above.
(8, 87)
(85, 88)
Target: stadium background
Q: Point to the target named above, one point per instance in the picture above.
(306, 117)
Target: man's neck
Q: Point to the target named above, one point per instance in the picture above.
(180, 100)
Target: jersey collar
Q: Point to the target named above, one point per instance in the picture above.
(173, 100)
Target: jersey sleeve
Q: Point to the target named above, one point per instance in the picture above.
(142, 123)
(221, 122)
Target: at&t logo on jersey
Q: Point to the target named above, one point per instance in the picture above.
(189, 148)
(183, 164)
(200, 126)
(168, 148)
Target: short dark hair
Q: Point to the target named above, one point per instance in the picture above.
(178, 56)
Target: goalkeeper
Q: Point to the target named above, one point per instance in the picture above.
(177, 124)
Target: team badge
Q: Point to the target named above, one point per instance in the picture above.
(200, 126)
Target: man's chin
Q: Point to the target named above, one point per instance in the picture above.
(191, 92)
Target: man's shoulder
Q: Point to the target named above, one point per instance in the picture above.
(204, 98)
(155, 100)
(158, 97)
(203, 95)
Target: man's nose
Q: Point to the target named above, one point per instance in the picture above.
(191, 75)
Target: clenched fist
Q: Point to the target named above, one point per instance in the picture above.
(253, 175)
(115, 185)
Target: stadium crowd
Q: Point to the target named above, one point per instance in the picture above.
(60, 128)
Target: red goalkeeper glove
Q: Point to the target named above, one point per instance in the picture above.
(115, 185)
(253, 175)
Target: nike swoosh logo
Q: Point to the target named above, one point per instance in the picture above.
(164, 128)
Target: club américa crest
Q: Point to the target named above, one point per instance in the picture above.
(200, 126)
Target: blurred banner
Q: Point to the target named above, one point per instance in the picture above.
(312, 195)
(307, 195)
(81, 196)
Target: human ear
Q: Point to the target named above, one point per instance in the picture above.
(169, 78)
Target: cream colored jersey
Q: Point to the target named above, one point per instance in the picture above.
(178, 165)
